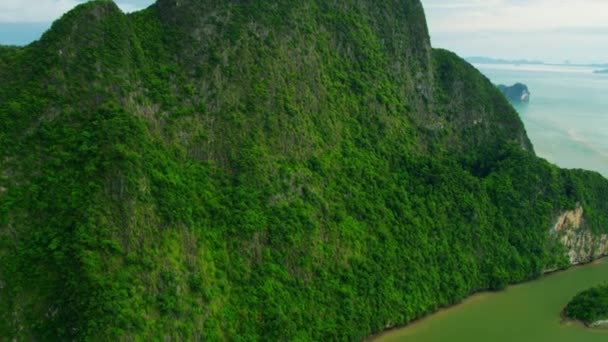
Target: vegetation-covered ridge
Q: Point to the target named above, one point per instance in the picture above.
(261, 170)
(589, 306)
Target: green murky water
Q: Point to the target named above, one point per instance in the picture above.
(527, 312)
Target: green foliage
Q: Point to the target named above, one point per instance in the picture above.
(589, 306)
(261, 171)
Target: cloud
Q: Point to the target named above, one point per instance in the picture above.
(514, 15)
(41, 11)
(552, 30)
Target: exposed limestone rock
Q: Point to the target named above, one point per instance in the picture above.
(582, 245)
(599, 324)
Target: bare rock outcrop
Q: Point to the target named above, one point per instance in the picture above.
(582, 245)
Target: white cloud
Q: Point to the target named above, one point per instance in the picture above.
(552, 30)
(505, 15)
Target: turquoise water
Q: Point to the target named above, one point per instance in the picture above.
(567, 117)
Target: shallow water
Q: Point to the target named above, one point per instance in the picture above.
(567, 117)
(526, 312)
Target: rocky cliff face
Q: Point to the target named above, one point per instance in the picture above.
(581, 244)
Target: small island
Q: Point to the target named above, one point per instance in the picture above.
(590, 307)
(516, 93)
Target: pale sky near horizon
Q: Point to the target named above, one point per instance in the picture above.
(549, 30)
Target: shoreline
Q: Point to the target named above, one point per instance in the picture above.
(601, 325)
(441, 310)
(578, 264)
(478, 295)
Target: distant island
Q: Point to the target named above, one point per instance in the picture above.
(590, 307)
(601, 71)
(516, 93)
(489, 60)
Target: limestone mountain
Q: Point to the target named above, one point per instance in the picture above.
(516, 93)
(261, 170)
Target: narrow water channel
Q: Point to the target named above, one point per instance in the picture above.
(526, 312)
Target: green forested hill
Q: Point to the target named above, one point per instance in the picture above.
(256, 170)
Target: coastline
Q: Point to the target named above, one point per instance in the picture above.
(578, 264)
(601, 325)
(482, 294)
(442, 310)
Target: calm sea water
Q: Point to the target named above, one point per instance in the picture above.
(567, 117)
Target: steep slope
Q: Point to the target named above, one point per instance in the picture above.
(280, 170)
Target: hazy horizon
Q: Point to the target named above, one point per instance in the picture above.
(546, 30)
(553, 32)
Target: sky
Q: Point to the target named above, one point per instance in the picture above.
(549, 30)
(23, 21)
